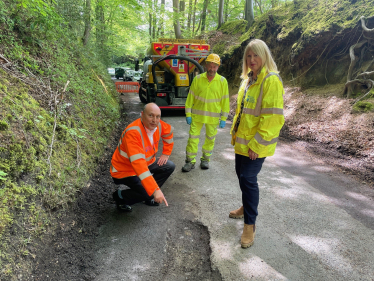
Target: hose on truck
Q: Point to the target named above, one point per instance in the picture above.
(170, 57)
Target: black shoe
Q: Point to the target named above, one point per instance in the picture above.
(151, 203)
(121, 207)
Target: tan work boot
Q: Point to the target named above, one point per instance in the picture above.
(237, 214)
(248, 236)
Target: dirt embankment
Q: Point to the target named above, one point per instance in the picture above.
(321, 123)
(329, 129)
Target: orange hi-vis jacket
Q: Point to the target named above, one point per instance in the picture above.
(135, 153)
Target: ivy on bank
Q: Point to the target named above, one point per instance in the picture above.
(50, 137)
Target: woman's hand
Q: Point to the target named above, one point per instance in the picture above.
(252, 155)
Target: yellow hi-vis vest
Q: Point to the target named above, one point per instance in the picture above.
(262, 117)
(207, 102)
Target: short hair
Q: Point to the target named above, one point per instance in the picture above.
(260, 48)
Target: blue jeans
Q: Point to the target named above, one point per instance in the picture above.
(137, 193)
(247, 171)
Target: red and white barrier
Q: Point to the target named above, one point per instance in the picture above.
(127, 87)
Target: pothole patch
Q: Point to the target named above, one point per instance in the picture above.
(188, 253)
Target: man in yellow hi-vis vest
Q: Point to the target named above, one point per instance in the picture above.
(207, 103)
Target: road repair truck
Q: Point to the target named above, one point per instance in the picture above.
(169, 68)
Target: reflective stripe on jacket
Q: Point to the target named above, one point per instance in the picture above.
(135, 153)
(262, 117)
(207, 102)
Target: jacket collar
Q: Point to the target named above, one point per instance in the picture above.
(205, 75)
(261, 75)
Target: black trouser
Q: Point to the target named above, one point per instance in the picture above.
(137, 193)
(247, 171)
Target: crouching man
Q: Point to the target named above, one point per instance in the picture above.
(134, 162)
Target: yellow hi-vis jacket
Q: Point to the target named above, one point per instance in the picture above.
(206, 100)
(262, 117)
(135, 153)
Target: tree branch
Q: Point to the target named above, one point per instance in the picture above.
(363, 25)
(54, 126)
(367, 82)
(348, 88)
(364, 74)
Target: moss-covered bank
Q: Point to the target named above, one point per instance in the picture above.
(58, 107)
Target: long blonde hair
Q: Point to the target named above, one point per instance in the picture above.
(260, 48)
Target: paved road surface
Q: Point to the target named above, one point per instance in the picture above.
(313, 223)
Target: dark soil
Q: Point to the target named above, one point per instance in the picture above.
(68, 255)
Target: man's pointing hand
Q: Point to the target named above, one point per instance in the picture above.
(159, 197)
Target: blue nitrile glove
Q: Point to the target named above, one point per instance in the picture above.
(222, 124)
(189, 120)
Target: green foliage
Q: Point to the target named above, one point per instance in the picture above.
(363, 106)
(3, 125)
(2, 175)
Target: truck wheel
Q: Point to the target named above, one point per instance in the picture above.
(141, 92)
(150, 94)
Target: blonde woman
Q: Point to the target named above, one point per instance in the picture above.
(255, 130)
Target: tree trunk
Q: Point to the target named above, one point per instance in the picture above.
(182, 9)
(87, 23)
(177, 27)
(198, 27)
(100, 31)
(203, 15)
(154, 23)
(194, 17)
(162, 14)
(226, 10)
(248, 13)
(220, 13)
(100, 24)
(189, 16)
(150, 27)
(259, 6)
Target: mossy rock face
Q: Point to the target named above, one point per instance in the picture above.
(219, 48)
(234, 27)
(225, 40)
(363, 107)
